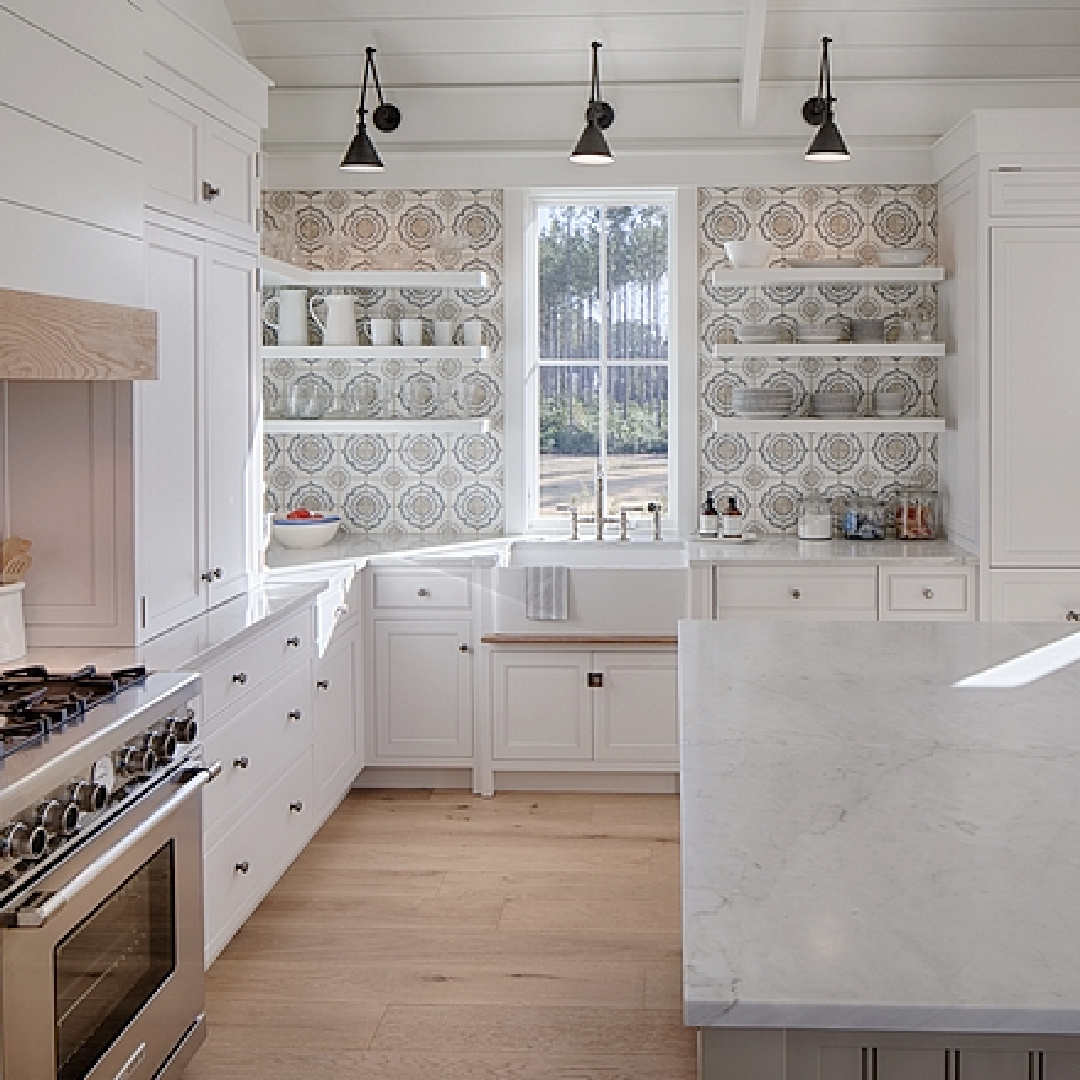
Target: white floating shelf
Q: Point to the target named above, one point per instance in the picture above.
(276, 273)
(894, 348)
(903, 424)
(370, 352)
(391, 427)
(862, 275)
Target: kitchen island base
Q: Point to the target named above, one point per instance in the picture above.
(788, 1054)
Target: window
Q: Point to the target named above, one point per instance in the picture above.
(602, 272)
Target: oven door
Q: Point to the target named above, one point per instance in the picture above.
(102, 964)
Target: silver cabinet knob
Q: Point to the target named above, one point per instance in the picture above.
(219, 573)
(928, 594)
(243, 867)
(209, 192)
(207, 576)
(463, 648)
(241, 762)
(296, 807)
(293, 642)
(341, 611)
(796, 594)
(423, 592)
(323, 684)
(295, 715)
(240, 678)
(1072, 616)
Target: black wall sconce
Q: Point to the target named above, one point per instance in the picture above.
(361, 155)
(592, 147)
(828, 144)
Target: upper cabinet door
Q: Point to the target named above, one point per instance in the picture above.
(1035, 390)
(173, 134)
(227, 185)
(230, 417)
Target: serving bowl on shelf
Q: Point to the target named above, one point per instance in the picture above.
(828, 334)
(758, 333)
(762, 403)
(837, 404)
(309, 532)
(898, 258)
(747, 254)
(825, 264)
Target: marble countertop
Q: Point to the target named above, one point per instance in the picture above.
(869, 845)
(350, 549)
(788, 549)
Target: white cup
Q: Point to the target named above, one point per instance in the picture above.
(444, 332)
(382, 331)
(412, 331)
(473, 331)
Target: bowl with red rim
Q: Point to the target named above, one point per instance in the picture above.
(310, 530)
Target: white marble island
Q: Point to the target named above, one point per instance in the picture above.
(871, 850)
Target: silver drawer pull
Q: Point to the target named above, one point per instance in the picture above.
(243, 867)
(1072, 616)
(796, 594)
(323, 684)
(240, 677)
(209, 192)
(241, 762)
(293, 642)
(928, 594)
(296, 807)
(341, 611)
(463, 648)
(295, 715)
(423, 592)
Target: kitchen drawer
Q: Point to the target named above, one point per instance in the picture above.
(252, 747)
(933, 594)
(796, 592)
(236, 677)
(1035, 193)
(1035, 595)
(422, 590)
(264, 841)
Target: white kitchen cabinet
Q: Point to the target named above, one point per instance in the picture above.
(339, 728)
(1035, 385)
(1035, 595)
(796, 592)
(919, 593)
(636, 714)
(423, 690)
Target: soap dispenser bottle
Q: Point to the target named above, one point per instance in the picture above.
(709, 521)
(731, 520)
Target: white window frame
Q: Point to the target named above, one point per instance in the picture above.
(667, 197)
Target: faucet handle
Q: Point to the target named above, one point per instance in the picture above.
(574, 518)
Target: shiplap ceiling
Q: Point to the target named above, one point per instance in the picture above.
(905, 66)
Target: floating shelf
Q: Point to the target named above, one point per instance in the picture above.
(401, 426)
(863, 275)
(893, 348)
(276, 273)
(369, 352)
(902, 424)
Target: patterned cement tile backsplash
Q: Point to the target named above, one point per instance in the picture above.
(443, 482)
(768, 473)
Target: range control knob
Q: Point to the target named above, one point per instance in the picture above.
(135, 761)
(163, 743)
(88, 796)
(185, 727)
(22, 841)
(58, 818)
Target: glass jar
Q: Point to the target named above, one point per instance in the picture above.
(815, 518)
(865, 519)
(918, 514)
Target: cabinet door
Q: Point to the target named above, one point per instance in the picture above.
(903, 1064)
(339, 728)
(423, 689)
(543, 706)
(230, 417)
(173, 138)
(637, 711)
(228, 166)
(171, 523)
(1035, 385)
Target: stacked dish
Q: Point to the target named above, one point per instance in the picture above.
(747, 254)
(868, 331)
(903, 257)
(762, 403)
(825, 264)
(890, 402)
(829, 334)
(834, 404)
(758, 333)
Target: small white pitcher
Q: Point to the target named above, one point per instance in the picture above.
(339, 328)
(292, 311)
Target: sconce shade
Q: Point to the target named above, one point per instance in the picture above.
(828, 144)
(362, 155)
(592, 147)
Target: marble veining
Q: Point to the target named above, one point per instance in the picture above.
(866, 845)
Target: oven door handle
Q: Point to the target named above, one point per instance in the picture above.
(40, 914)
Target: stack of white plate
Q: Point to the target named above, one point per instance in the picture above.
(810, 334)
(868, 331)
(757, 333)
(835, 404)
(762, 403)
(903, 257)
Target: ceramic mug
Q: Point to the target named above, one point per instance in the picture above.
(473, 332)
(339, 327)
(382, 332)
(444, 332)
(412, 331)
(292, 314)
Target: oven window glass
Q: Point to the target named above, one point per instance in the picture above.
(110, 965)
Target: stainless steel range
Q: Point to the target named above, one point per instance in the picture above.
(101, 935)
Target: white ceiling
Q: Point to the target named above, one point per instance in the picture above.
(513, 74)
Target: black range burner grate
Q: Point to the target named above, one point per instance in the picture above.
(35, 701)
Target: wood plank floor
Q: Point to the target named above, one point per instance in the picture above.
(434, 934)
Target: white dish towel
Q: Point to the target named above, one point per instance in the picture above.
(546, 589)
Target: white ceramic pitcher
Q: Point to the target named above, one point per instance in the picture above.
(292, 312)
(339, 327)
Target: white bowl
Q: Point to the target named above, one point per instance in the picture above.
(306, 532)
(903, 257)
(747, 254)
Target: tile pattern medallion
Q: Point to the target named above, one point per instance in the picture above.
(444, 482)
(768, 473)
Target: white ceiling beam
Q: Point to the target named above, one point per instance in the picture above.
(753, 51)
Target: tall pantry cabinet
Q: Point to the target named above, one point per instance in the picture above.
(163, 475)
(1010, 241)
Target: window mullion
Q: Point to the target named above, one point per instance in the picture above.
(602, 458)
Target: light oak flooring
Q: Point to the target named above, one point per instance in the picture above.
(434, 934)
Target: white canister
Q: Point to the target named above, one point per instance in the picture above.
(412, 331)
(12, 627)
(473, 332)
(444, 332)
(382, 332)
(292, 316)
(339, 326)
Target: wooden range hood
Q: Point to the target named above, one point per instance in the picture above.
(52, 337)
